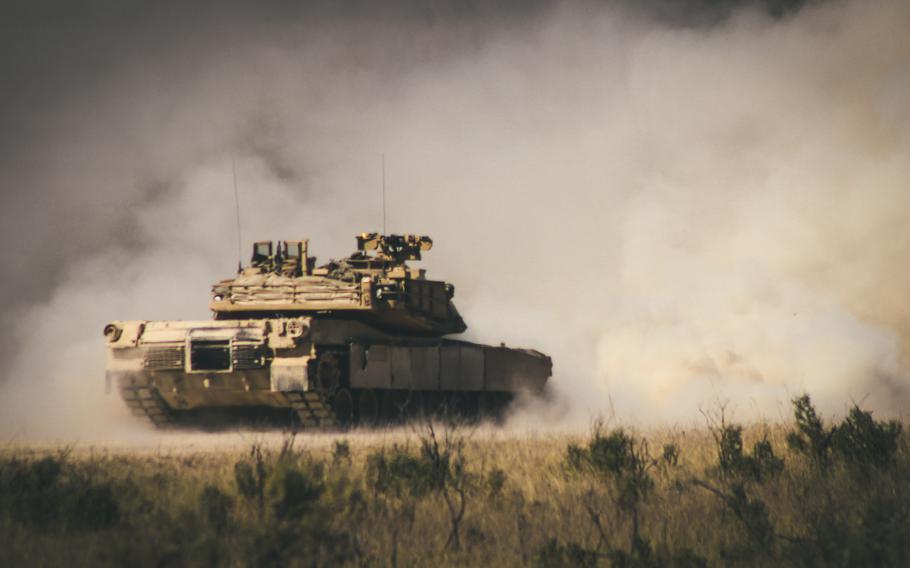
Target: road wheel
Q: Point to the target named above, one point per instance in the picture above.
(343, 406)
(455, 406)
(501, 402)
(368, 407)
(486, 406)
(414, 410)
(434, 404)
(328, 371)
(390, 409)
(471, 406)
(402, 405)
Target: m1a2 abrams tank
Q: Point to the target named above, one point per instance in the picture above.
(359, 340)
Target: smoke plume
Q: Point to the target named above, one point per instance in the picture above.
(678, 206)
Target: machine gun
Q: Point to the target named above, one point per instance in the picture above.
(394, 248)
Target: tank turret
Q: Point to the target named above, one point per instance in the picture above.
(374, 284)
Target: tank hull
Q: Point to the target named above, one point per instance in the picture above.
(323, 373)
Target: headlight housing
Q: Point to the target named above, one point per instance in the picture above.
(112, 332)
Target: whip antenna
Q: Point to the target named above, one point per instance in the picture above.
(237, 210)
(383, 194)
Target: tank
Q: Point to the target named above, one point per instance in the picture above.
(363, 340)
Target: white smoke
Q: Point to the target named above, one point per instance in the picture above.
(674, 215)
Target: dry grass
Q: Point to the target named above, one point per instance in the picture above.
(461, 496)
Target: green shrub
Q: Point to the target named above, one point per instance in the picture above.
(341, 453)
(618, 459)
(496, 481)
(399, 472)
(50, 493)
(623, 463)
(859, 440)
(810, 437)
(294, 491)
(95, 506)
(570, 555)
(760, 465)
(216, 508)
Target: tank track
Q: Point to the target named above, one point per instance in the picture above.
(312, 409)
(143, 400)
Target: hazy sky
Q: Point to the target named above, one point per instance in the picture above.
(678, 201)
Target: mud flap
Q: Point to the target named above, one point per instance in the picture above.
(289, 374)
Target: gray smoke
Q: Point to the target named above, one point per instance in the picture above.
(677, 205)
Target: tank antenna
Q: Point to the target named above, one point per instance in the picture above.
(237, 210)
(383, 193)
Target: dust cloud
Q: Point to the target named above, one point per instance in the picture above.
(677, 210)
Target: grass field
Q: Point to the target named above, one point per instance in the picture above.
(804, 493)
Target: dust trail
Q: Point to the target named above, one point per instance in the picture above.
(676, 214)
